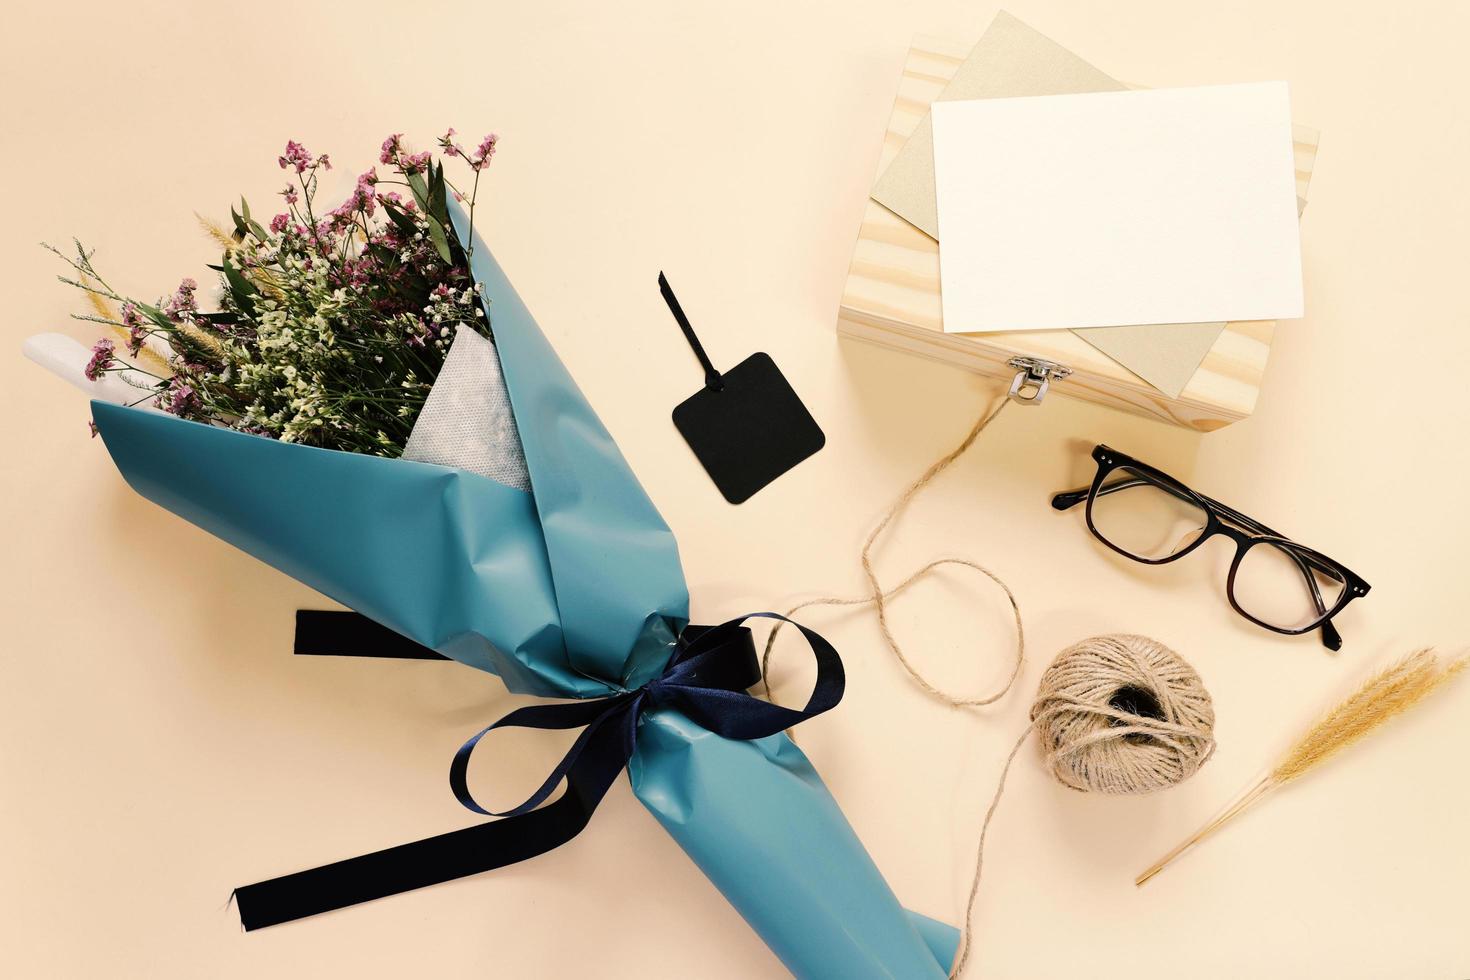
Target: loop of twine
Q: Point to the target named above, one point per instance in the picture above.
(878, 597)
(1093, 743)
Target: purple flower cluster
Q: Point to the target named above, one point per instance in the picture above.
(393, 154)
(297, 156)
(136, 326)
(103, 357)
(362, 200)
(181, 306)
(479, 159)
(332, 324)
(180, 398)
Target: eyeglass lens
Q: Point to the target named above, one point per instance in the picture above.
(1136, 515)
(1284, 586)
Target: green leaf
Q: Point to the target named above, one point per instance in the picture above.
(238, 282)
(243, 289)
(420, 191)
(241, 230)
(441, 242)
(255, 227)
(438, 204)
(423, 193)
(400, 219)
(155, 314)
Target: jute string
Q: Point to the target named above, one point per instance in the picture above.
(1092, 739)
(878, 597)
(1117, 714)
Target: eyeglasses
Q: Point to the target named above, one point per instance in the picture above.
(1147, 515)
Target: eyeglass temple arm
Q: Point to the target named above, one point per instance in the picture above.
(1071, 498)
(1068, 499)
(1331, 638)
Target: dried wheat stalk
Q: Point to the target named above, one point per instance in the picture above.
(105, 312)
(1391, 692)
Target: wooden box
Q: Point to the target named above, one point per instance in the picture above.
(892, 295)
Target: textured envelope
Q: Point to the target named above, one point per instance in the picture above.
(1009, 61)
(574, 590)
(1012, 60)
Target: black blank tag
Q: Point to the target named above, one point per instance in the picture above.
(750, 430)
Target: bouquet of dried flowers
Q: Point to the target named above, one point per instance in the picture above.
(511, 536)
(331, 324)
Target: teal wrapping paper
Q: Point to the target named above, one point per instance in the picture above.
(573, 591)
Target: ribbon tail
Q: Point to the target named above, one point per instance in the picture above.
(457, 854)
(335, 633)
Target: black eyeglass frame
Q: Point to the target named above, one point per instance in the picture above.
(1246, 532)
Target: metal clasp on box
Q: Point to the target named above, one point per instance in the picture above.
(1033, 378)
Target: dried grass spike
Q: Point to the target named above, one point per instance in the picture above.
(1391, 692)
(1385, 695)
(217, 233)
(108, 314)
(262, 278)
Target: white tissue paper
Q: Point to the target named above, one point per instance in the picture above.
(67, 359)
(466, 421)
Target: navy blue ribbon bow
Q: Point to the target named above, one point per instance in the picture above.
(705, 679)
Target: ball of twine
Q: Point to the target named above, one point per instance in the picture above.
(1123, 714)
(1115, 714)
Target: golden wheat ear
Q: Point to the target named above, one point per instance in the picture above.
(148, 359)
(217, 233)
(1389, 693)
(262, 278)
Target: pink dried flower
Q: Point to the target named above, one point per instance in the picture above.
(327, 228)
(295, 156)
(415, 163)
(181, 399)
(290, 194)
(280, 223)
(137, 328)
(481, 158)
(180, 307)
(103, 357)
(392, 146)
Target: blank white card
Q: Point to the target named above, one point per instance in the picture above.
(1160, 206)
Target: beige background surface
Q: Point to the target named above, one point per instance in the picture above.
(158, 745)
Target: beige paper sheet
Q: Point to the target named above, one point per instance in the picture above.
(1012, 60)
